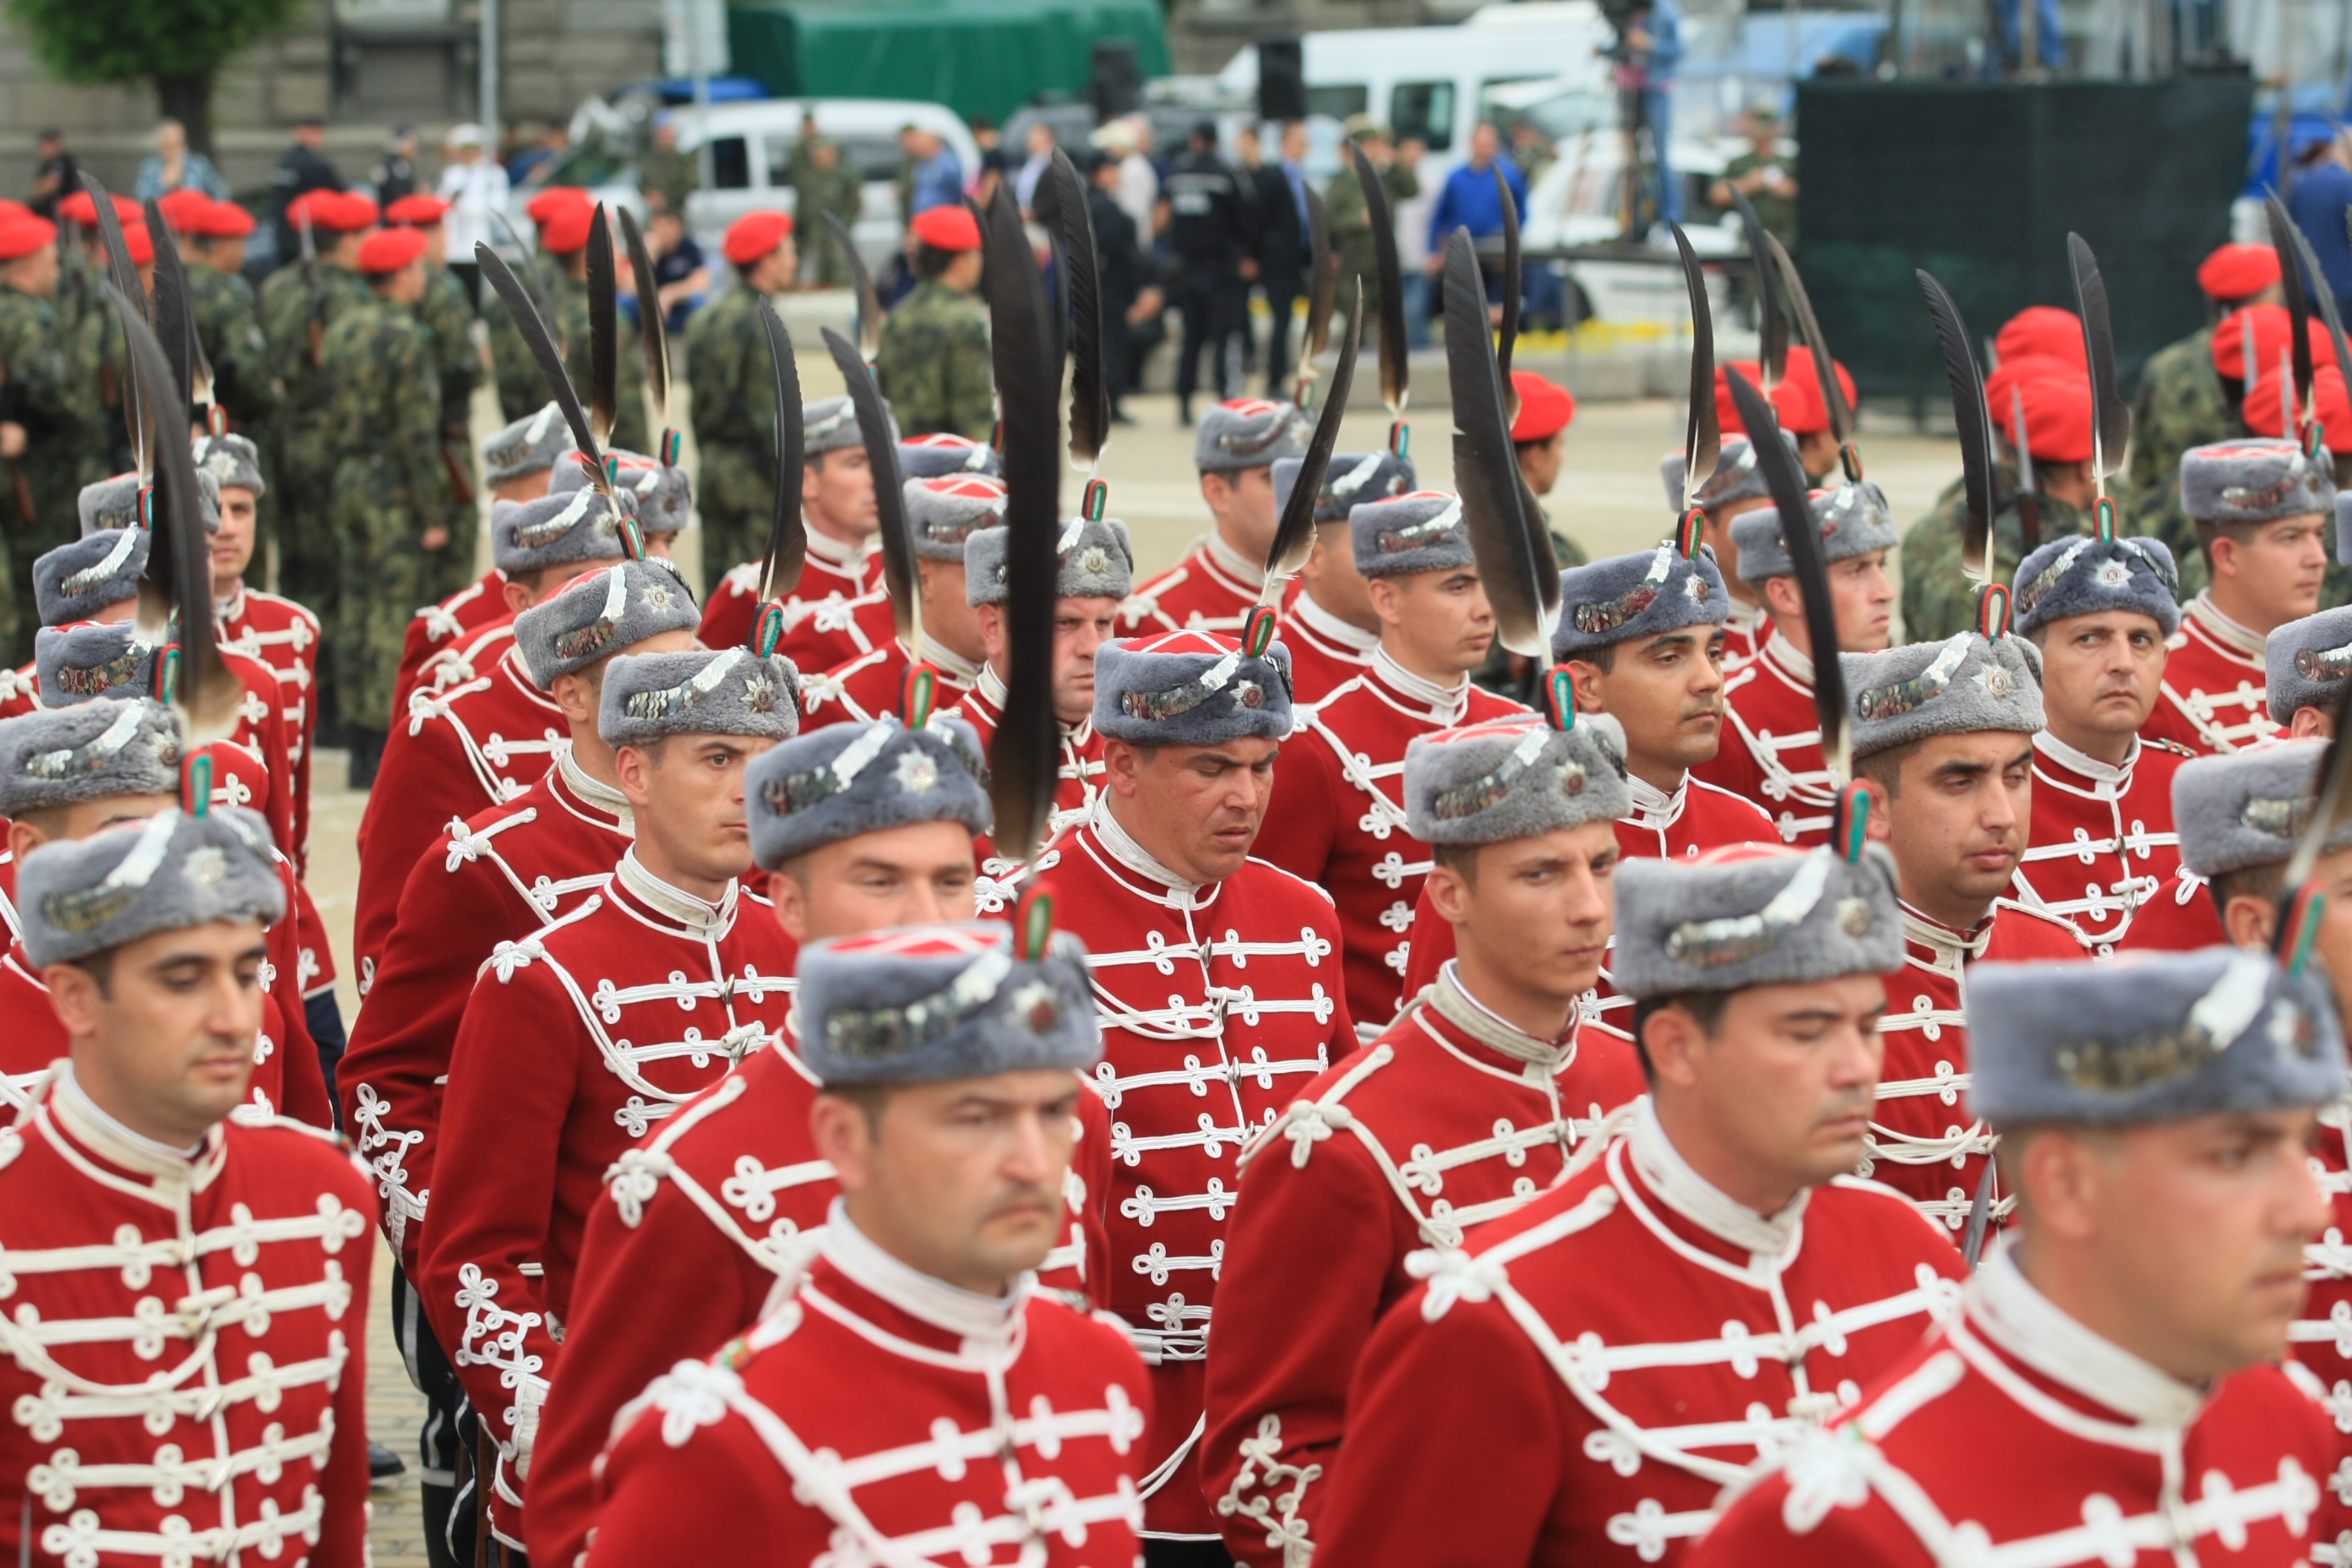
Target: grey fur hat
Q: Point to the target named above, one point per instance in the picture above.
(930, 1003)
(2070, 577)
(1191, 689)
(1249, 433)
(108, 504)
(1852, 519)
(2149, 1036)
(659, 497)
(940, 454)
(571, 527)
(830, 424)
(91, 751)
(78, 663)
(2248, 808)
(1352, 478)
(233, 462)
(1645, 595)
(2307, 662)
(1421, 530)
(81, 897)
(1957, 687)
(846, 779)
(1736, 476)
(2257, 479)
(944, 512)
(1514, 778)
(1097, 561)
(75, 581)
(532, 445)
(647, 696)
(1753, 915)
(608, 612)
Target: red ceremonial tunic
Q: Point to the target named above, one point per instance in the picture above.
(881, 1416)
(1452, 1120)
(284, 637)
(1080, 773)
(1326, 652)
(185, 1343)
(478, 743)
(2015, 1435)
(490, 880)
(457, 661)
(1745, 634)
(872, 685)
(1337, 818)
(1924, 1141)
(2104, 860)
(1771, 750)
(1578, 1385)
(239, 778)
(840, 609)
(576, 1040)
(2211, 699)
(438, 627)
(20, 691)
(1209, 590)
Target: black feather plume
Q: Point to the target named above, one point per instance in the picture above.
(1509, 335)
(1322, 278)
(529, 276)
(2299, 302)
(1294, 531)
(1824, 366)
(2110, 420)
(1089, 385)
(1771, 321)
(1973, 418)
(889, 490)
(1703, 432)
(1786, 483)
(787, 552)
(869, 302)
(1396, 374)
(650, 315)
(2325, 299)
(1485, 465)
(123, 273)
(604, 330)
(175, 321)
(541, 343)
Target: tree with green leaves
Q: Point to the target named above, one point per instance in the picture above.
(178, 45)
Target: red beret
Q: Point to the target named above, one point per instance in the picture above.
(2057, 416)
(223, 220)
(13, 210)
(948, 228)
(1727, 414)
(139, 243)
(2041, 329)
(79, 208)
(2264, 416)
(390, 249)
(183, 209)
(566, 227)
(556, 199)
(1546, 407)
(2238, 272)
(1797, 398)
(421, 211)
(2016, 371)
(755, 235)
(20, 237)
(2274, 335)
(336, 212)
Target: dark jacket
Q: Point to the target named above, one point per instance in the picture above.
(298, 174)
(1208, 217)
(1278, 240)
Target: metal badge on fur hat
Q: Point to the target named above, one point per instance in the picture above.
(1852, 519)
(2248, 808)
(78, 663)
(846, 779)
(1957, 687)
(1248, 433)
(109, 504)
(1736, 476)
(661, 496)
(1755, 915)
(943, 513)
(168, 873)
(937, 455)
(1645, 595)
(2147, 1037)
(233, 462)
(2255, 480)
(2308, 662)
(1191, 689)
(731, 693)
(2070, 577)
(1351, 479)
(74, 582)
(91, 751)
(532, 445)
(929, 1004)
(1419, 532)
(830, 424)
(606, 613)
(1514, 778)
(562, 530)
(1097, 561)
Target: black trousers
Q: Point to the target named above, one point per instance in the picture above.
(1282, 296)
(1214, 306)
(445, 1441)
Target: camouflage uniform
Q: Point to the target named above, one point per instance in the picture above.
(38, 490)
(522, 390)
(2180, 405)
(671, 171)
(816, 192)
(309, 436)
(387, 490)
(448, 315)
(1937, 598)
(733, 395)
(934, 366)
(1351, 229)
(514, 374)
(228, 325)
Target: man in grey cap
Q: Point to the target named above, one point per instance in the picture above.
(1487, 1077)
(150, 939)
(1332, 628)
(1220, 577)
(2308, 661)
(2109, 1386)
(688, 974)
(1734, 489)
(1675, 1258)
(659, 495)
(947, 1057)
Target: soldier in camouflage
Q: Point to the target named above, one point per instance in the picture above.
(565, 216)
(1351, 220)
(447, 313)
(934, 366)
(733, 395)
(228, 316)
(823, 183)
(40, 421)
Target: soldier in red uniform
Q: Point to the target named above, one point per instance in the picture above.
(1945, 731)
(1468, 1106)
(2261, 507)
(1709, 1288)
(1734, 489)
(2307, 662)
(1212, 587)
(942, 513)
(599, 1025)
(1771, 752)
(2106, 1394)
(1330, 626)
(185, 1345)
(2102, 857)
(1338, 816)
(915, 1398)
(864, 827)
(659, 495)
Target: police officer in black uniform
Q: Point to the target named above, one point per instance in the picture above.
(1208, 230)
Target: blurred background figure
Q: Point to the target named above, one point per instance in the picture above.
(1032, 167)
(826, 183)
(1469, 200)
(2319, 200)
(1130, 294)
(301, 169)
(1208, 235)
(475, 186)
(172, 167)
(394, 174)
(666, 174)
(1352, 224)
(1765, 176)
(1278, 246)
(681, 278)
(54, 175)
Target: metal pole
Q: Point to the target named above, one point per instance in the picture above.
(486, 109)
(696, 9)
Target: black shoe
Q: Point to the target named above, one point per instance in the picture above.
(1184, 416)
(382, 1462)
